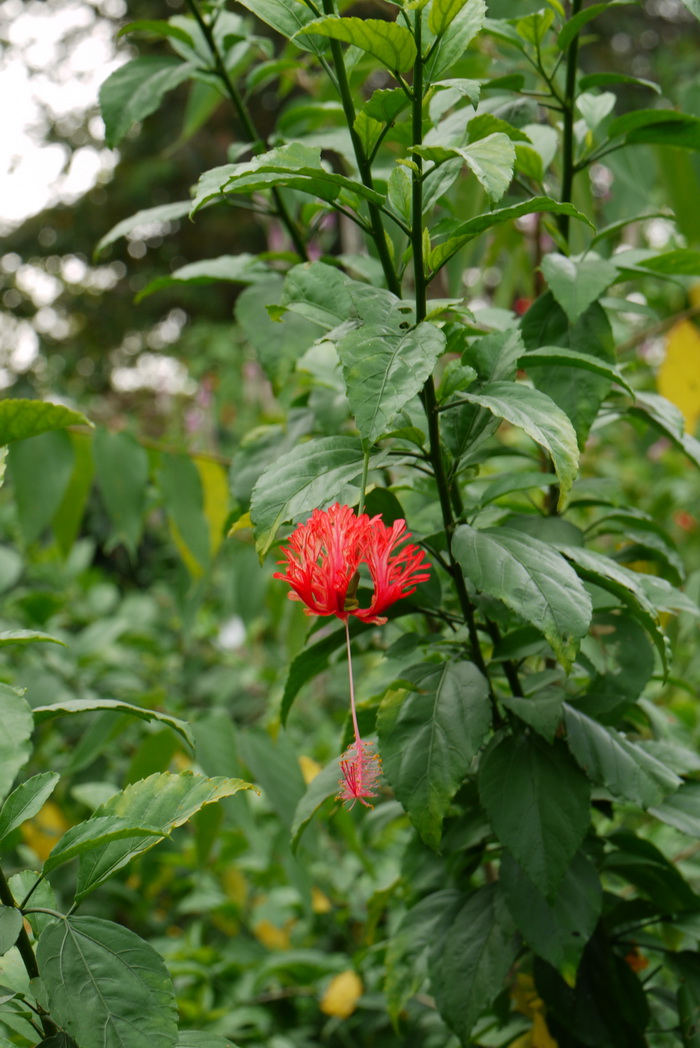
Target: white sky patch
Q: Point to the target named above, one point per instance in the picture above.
(59, 53)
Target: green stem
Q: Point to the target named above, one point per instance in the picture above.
(569, 101)
(364, 167)
(26, 952)
(363, 486)
(258, 144)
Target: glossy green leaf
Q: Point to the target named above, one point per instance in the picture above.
(539, 417)
(531, 579)
(69, 706)
(96, 833)
(411, 944)
(166, 800)
(557, 931)
(538, 802)
(490, 159)
(25, 801)
(440, 253)
(451, 46)
(10, 927)
(471, 961)
(41, 468)
(623, 584)
(384, 370)
(610, 759)
(135, 90)
(576, 283)
(546, 356)
(310, 475)
(533, 27)
(443, 12)
(324, 785)
(163, 213)
(106, 986)
(122, 476)
(20, 419)
(604, 79)
(310, 661)
(578, 394)
(681, 809)
(390, 43)
(665, 127)
(287, 17)
(27, 637)
(234, 269)
(386, 104)
(574, 25)
(428, 737)
(17, 726)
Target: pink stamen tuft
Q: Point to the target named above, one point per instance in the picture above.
(361, 770)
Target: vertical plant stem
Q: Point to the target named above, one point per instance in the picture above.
(568, 170)
(358, 741)
(363, 165)
(258, 144)
(25, 950)
(429, 397)
(363, 485)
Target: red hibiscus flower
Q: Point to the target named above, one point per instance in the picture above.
(324, 554)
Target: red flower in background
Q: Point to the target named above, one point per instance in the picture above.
(324, 554)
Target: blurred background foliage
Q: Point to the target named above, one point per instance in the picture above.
(266, 945)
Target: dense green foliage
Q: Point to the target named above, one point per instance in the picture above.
(528, 876)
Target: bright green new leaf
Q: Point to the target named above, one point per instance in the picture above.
(539, 417)
(68, 706)
(538, 802)
(390, 43)
(20, 419)
(428, 736)
(10, 927)
(386, 104)
(576, 283)
(27, 637)
(490, 159)
(135, 90)
(318, 292)
(557, 931)
(471, 960)
(287, 17)
(106, 986)
(443, 12)
(533, 28)
(308, 476)
(384, 370)
(235, 269)
(450, 47)
(121, 466)
(164, 800)
(95, 833)
(17, 726)
(25, 801)
(532, 579)
(608, 758)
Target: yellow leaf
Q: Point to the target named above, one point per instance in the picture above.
(320, 903)
(679, 375)
(271, 936)
(191, 563)
(541, 1037)
(342, 995)
(241, 523)
(43, 831)
(524, 995)
(235, 885)
(216, 497)
(309, 768)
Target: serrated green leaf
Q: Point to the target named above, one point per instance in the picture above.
(384, 370)
(576, 283)
(95, 833)
(428, 737)
(386, 104)
(538, 802)
(69, 706)
(471, 960)
(106, 986)
(610, 759)
(451, 46)
(20, 419)
(17, 727)
(443, 12)
(287, 17)
(546, 356)
(391, 44)
(531, 579)
(490, 159)
(164, 800)
(539, 417)
(25, 801)
(135, 90)
(310, 475)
